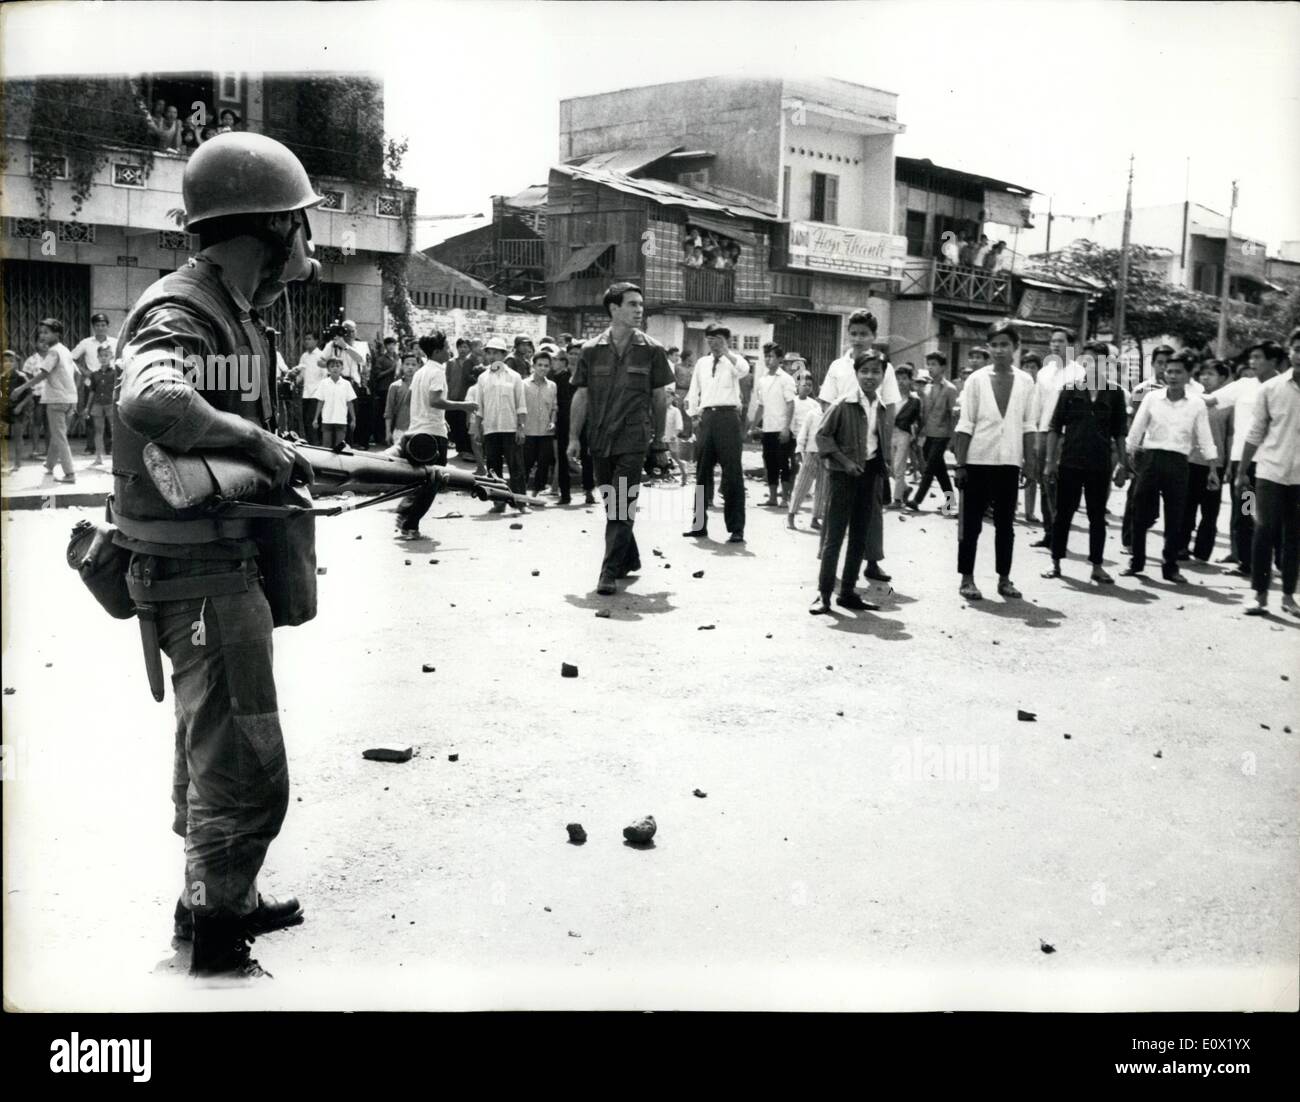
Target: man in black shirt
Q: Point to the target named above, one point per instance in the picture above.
(1085, 443)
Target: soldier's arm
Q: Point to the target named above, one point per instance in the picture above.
(160, 402)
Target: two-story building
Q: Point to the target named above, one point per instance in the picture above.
(765, 203)
(94, 214)
(507, 253)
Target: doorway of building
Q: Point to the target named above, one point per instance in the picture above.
(815, 337)
(36, 289)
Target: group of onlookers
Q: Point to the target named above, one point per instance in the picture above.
(172, 134)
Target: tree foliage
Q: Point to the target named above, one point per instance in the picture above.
(1156, 308)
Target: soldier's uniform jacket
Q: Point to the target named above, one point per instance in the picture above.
(620, 413)
(161, 398)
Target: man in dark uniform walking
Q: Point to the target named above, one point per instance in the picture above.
(619, 397)
(202, 583)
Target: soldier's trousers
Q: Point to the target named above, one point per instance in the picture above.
(619, 480)
(231, 780)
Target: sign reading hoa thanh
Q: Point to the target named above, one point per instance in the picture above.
(840, 251)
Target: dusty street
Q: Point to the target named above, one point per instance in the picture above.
(878, 830)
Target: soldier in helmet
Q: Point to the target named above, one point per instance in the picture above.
(210, 589)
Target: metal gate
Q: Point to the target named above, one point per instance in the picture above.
(303, 309)
(816, 337)
(36, 289)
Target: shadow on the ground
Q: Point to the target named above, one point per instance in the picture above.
(886, 596)
(1204, 591)
(1034, 616)
(1278, 620)
(1119, 592)
(869, 623)
(625, 605)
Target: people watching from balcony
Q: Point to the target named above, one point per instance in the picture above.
(229, 120)
(981, 251)
(165, 131)
(696, 257)
(704, 250)
(189, 140)
(950, 250)
(995, 259)
(966, 252)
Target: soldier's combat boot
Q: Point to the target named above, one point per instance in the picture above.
(221, 950)
(271, 915)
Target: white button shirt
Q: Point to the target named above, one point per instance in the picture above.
(1241, 394)
(997, 439)
(500, 398)
(334, 396)
(1275, 430)
(1164, 425)
(1052, 377)
(716, 382)
(842, 380)
(773, 393)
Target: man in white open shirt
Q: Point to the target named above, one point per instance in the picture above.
(1265, 359)
(1167, 425)
(771, 410)
(1056, 370)
(312, 366)
(1272, 450)
(996, 435)
(841, 381)
(714, 403)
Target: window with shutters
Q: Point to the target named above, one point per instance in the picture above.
(825, 198)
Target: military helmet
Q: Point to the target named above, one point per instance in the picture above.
(244, 173)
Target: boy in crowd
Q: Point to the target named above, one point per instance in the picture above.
(938, 419)
(397, 403)
(99, 399)
(541, 397)
(1204, 475)
(808, 419)
(498, 422)
(335, 408)
(853, 437)
(311, 367)
(772, 412)
(906, 424)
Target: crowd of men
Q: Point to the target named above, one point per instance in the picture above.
(1014, 430)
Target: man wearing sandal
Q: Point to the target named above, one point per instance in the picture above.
(996, 436)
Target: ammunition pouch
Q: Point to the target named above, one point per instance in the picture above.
(102, 566)
(286, 552)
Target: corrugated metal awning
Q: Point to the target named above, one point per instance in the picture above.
(582, 258)
(629, 161)
(662, 192)
(728, 229)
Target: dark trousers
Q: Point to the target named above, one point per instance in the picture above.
(412, 507)
(985, 486)
(538, 451)
(1094, 488)
(230, 780)
(1201, 499)
(332, 435)
(852, 501)
(619, 479)
(458, 430)
(778, 462)
(1243, 517)
(935, 467)
(500, 452)
(1277, 529)
(1128, 524)
(309, 407)
(1163, 477)
(584, 461)
(718, 441)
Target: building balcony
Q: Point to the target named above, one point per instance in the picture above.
(955, 284)
(707, 286)
(140, 190)
(526, 252)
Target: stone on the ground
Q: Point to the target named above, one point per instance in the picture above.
(576, 834)
(568, 670)
(427, 668)
(641, 831)
(1026, 717)
(388, 753)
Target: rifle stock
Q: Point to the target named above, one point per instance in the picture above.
(214, 479)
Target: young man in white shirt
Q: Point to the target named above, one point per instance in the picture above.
(1272, 452)
(714, 403)
(1160, 356)
(996, 436)
(1265, 360)
(311, 366)
(771, 411)
(1052, 375)
(335, 412)
(428, 417)
(541, 397)
(1168, 424)
(85, 359)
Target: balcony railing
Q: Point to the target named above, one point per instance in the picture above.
(955, 283)
(526, 252)
(708, 285)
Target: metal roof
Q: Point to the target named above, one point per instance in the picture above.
(629, 160)
(927, 165)
(662, 192)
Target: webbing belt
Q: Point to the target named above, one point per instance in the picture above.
(147, 590)
(198, 530)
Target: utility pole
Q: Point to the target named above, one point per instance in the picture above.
(1222, 343)
(1121, 288)
(1048, 246)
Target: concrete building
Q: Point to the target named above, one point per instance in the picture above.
(71, 260)
(798, 175)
